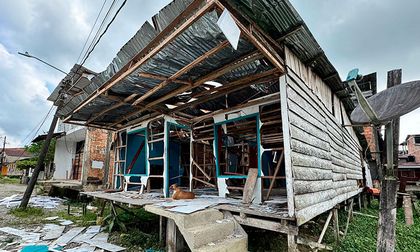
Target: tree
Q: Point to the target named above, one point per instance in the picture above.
(35, 149)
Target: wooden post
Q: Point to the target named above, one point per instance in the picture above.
(39, 164)
(394, 79)
(291, 241)
(387, 216)
(349, 217)
(408, 210)
(336, 226)
(174, 239)
(162, 229)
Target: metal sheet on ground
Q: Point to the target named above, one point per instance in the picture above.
(52, 231)
(67, 237)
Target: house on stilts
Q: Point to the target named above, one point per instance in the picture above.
(265, 126)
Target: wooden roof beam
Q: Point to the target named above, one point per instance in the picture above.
(208, 95)
(163, 78)
(213, 75)
(185, 69)
(154, 47)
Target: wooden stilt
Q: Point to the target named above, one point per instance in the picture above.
(349, 217)
(336, 226)
(292, 243)
(174, 239)
(162, 221)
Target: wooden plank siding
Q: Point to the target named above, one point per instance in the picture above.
(325, 156)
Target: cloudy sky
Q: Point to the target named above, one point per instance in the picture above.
(373, 35)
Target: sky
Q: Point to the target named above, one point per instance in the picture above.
(372, 35)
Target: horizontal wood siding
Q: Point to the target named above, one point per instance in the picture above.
(325, 156)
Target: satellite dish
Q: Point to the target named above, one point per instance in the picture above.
(391, 103)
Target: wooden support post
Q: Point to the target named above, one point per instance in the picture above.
(387, 216)
(174, 239)
(336, 226)
(162, 221)
(276, 171)
(327, 223)
(408, 210)
(292, 241)
(359, 200)
(349, 217)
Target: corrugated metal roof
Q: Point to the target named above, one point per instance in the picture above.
(277, 18)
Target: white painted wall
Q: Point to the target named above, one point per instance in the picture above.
(63, 156)
(65, 150)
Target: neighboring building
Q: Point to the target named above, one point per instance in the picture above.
(80, 152)
(409, 161)
(10, 157)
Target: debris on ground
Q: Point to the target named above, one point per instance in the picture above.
(53, 238)
(45, 202)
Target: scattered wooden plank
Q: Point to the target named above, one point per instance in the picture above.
(250, 184)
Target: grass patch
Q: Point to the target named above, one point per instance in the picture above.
(9, 180)
(134, 240)
(361, 235)
(88, 219)
(29, 212)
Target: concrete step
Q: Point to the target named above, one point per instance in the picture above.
(201, 235)
(201, 218)
(230, 244)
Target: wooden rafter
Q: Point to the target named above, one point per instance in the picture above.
(121, 103)
(209, 95)
(183, 70)
(213, 75)
(154, 47)
(163, 78)
(266, 99)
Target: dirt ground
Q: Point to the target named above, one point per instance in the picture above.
(7, 190)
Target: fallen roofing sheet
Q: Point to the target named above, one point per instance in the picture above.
(36, 201)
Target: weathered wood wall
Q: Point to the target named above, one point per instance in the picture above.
(325, 156)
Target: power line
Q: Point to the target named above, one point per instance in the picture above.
(91, 30)
(40, 125)
(103, 33)
(93, 44)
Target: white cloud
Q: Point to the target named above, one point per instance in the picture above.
(23, 96)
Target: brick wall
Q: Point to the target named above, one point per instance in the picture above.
(413, 148)
(96, 141)
(368, 133)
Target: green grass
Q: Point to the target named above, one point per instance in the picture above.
(29, 212)
(361, 235)
(9, 180)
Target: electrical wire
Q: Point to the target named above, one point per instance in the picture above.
(95, 41)
(39, 127)
(103, 33)
(91, 30)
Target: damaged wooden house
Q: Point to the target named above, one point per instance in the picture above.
(264, 119)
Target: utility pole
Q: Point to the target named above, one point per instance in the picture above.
(2, 153)
(39, 164)
(45, 146)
